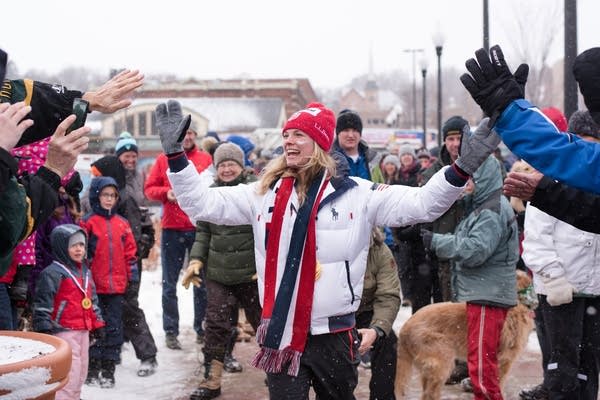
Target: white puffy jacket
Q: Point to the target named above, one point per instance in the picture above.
(344, 223)
(553, 248)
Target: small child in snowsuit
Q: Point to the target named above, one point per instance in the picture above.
(65, 302)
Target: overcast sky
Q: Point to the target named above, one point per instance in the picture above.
(327, 41)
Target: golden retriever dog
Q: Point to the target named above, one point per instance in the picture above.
(435, 335)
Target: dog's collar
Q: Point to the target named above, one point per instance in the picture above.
(528, 298)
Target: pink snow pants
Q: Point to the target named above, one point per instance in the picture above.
(80, 342)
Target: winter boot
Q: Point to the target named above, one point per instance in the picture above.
(210, 387)
(538, 392)
(172, 342)
(460, 372)
(147, 367)
(107, 374)
(230, 364)
(93, 373)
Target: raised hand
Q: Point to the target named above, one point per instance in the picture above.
(172, 126)
(115, 93)
(491, 84)
(476, 148)
(63, 149)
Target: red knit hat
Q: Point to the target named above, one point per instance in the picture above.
(317, 121)
(557, 117)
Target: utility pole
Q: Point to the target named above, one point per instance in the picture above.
(570, 86)
(486, 26)
(414, 85)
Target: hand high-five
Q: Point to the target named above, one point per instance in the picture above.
(491, 84)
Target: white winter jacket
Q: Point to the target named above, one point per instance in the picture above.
(553, 248)
(344, 222)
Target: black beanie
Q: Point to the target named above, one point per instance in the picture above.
(348, 119)
(586, 69)
(456, 125)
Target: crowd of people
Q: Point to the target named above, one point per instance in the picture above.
(316, 244)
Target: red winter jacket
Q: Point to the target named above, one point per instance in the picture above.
(111, 245)
(58, 301)
(157, 185)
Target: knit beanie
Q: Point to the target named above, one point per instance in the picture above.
(391, 159)
(557, 117)
(407, 149)
(581, 123)
(77, 237)
(207, 143)
(348, 119)
(423, 153)
(228, 152)
(586, 69)
(455, 125)
(317, 121)
(126, 142)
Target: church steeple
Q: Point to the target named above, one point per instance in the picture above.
(371, 88)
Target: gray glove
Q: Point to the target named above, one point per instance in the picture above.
(476, 148)
(172, 126)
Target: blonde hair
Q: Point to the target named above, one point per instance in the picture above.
(278, 168)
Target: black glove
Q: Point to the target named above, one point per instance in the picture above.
(74, 186)
(491, 84)
(409, 233)
(98, 334)
(426, 237)
(172, 126)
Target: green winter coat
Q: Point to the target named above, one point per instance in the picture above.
(381, 291)
(227, 252)
(484, 249)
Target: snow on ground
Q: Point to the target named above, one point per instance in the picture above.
(175, 368)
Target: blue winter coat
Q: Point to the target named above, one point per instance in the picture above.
(563, 156)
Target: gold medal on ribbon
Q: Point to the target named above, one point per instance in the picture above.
(86, 303)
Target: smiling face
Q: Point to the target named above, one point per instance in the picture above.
(129, 159)
(298, 147)
(390, 168)
(406, 160)
(189, 141)
(228, 170)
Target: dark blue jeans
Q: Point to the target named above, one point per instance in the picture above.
(174, 245)
(8, 314)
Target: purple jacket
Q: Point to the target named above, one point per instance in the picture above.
(43, 251)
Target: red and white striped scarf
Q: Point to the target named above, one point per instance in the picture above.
(282, 341)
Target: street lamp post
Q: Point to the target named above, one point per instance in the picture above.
(423, 65)
(414, 86)
(438, 42)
